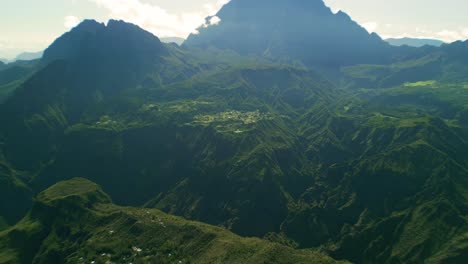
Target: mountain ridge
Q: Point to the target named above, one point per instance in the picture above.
(84, 41)
(415, 42)
(259, 145)
(105, 235)
(28, 56)
(176, 40)
(316, 39)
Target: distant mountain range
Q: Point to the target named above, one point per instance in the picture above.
(175, 40)
(25, 56)
(414, 42)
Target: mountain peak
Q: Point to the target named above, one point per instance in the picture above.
(260, 6)
(294, 29)
(125, 27)
(106, 57)
(93, 39)
(77, 189)
(89, 25)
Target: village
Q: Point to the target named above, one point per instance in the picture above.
(233, 116)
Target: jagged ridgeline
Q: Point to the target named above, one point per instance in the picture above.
(235, 128)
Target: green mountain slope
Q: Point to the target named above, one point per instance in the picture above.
(75, 222)
(16, 196)
(448, 64)
(417, 165)
(200, 136)
(12, 75)
(82, 77)
(265, 150)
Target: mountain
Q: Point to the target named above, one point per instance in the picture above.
(97, 38)
(414, 42)
(17, 196)
(302, 30)
(369, 168)
(80, 217)
(96, 61)
(57, 116)
(91, 41)
(13, 74)
(175, 40)
(448, 63)
(27, 56)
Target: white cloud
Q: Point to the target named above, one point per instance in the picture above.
(453, 35)
(215, 20)
(335, 10)
(71, 22)
(333, 5)
(370, 26)
(212, 8)
(157, 20)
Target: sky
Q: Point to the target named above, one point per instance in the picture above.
(32, 25)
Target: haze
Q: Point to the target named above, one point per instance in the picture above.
(34, 28)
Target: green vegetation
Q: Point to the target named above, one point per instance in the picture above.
(15, 195)
(422, 83)
(369, 167)
(75, 222)
(13, 75)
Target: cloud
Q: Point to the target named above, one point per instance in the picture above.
(333, 5)
(156, 19)
(212, 8)
(370, 26)
(453, 35)
(214, 20)
(71, 22)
